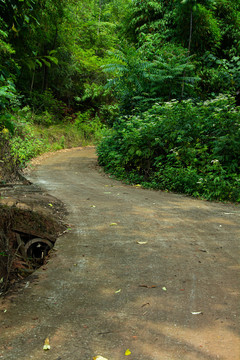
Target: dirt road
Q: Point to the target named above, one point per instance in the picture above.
(153, 273)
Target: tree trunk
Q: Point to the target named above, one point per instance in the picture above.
(32, 82)
(189, 46)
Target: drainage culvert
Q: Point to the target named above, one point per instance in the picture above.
(26, 237)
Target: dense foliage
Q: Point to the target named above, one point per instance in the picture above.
(176, 130)
(154, 71)
(51, 55)
(179, 146)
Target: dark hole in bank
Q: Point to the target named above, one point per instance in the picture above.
(38, 248)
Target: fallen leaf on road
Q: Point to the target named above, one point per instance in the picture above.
(127, 352)
(148, 286)
(113, 224)
(99, 357)
(50, 204)
(142, 242)
(145, 304)
(93, 206)
(118, 291)
(197, 313)
(107, 192)
(46, 345)
(164, 289)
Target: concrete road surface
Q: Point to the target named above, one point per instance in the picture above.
(140, 274)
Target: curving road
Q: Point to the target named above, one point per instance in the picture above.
(148, 271)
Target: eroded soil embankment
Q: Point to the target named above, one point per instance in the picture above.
(30, 222)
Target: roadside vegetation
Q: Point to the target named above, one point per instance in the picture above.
(185, 147)
(155, 84)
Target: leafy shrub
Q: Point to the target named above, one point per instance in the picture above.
(24, 149)
(47, 107)
(89, 126)
(179, 146)
(7, 121)
(108, 113)
(139, 82)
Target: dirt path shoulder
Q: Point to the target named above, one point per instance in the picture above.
(140, 274)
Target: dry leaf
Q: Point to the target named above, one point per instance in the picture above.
(93, 206)
(142, 242)
(113, 224)
(138, 185)
(127, 352)
(197, 313)
(118, 291)
(164, 289)
(46, 345)
(99, 357)
(148, 286)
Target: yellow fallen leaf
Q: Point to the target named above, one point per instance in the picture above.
(164, 289)
(113, 224)
(99, 357)
(118, 291)
(138, 185)
(93, 206)
(50, 204)
(142, 242)
(127, 352)
(46, 345)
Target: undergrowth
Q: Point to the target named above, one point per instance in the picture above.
(184, 147)
(24, 135)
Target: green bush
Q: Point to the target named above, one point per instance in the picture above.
(26, 146)
(179, 146)
(90, 127)
(46, 103)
